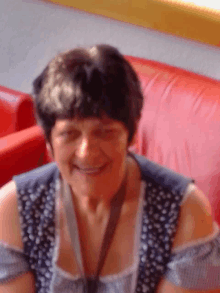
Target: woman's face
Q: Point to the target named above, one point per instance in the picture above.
(91, 154)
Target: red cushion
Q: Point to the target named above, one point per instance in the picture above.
(16, 111)
(180, 124)
(21, 152)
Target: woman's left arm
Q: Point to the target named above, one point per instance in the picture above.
(195, 223)
(167, 287)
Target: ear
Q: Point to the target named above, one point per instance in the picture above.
(49, 150)
(134, 140)
(133, 144)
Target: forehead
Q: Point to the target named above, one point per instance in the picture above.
(91, 122)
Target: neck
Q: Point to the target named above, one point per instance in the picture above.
(92, 205)
(94, 212)
(97, 207)
(86, 202)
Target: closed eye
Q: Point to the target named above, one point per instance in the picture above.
(69, 133)
(104, 133)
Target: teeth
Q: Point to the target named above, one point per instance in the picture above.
(90, 170)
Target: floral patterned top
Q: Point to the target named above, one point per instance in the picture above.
(162, 194)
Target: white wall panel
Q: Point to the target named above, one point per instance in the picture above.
(33, 31)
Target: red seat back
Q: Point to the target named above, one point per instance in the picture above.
(21, 152)
(16, 111)
(180, 124)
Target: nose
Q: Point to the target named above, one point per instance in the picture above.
(87, 149)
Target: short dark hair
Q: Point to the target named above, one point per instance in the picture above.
(88, 82)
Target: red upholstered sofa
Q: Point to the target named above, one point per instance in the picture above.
(179, 128)
(16, 111)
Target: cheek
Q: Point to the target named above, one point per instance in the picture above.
(122, 145)
(63, 159)
(115, 150)
(118, 153)
(62, 153)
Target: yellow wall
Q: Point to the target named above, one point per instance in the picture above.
(170, 16)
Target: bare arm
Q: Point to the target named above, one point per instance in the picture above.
(10, 233)
(22, 284)
(195, 223)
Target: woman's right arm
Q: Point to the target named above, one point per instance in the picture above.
(10, 233)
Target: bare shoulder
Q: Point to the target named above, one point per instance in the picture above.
(195, 223)
(11, 234)
(9, 217)
(196, 220)
(22, 284)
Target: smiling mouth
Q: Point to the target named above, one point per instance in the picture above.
(91, 171)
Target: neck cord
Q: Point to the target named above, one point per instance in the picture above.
(90, 284)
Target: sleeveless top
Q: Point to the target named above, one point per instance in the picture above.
(37, 192)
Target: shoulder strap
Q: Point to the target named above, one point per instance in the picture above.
(162, 175)
(72, 224)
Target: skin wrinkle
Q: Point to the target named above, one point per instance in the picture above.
(88, 150)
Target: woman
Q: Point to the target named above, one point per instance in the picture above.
(101, 219)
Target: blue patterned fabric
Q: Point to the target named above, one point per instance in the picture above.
(12, 263)
(164, 193)
(197, 267)
(36, 201)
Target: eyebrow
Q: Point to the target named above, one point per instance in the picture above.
(107, 121)
(100, 124)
